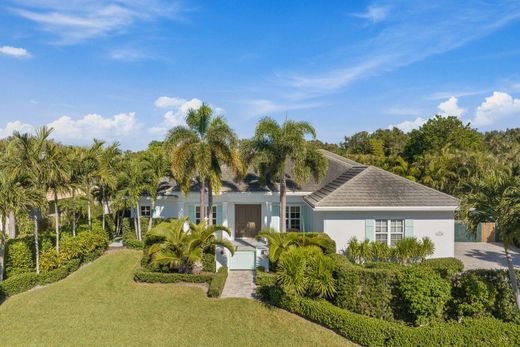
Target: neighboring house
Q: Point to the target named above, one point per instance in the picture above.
(351, 200)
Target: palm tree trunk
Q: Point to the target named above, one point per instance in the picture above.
(36, 244)
(89, 215)
(150, 222)
(283, 203)
(103, 205)
(512, 277)
(139, 235)
(2, 253)
(202, 209)
(11, 224)
(210, 203)
(135, 225)
(57, 219)
(74, 213)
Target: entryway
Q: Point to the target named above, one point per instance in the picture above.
(248, 220)
(239, 284)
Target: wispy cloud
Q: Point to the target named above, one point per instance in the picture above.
(16, 52)
(374, 13)
(447, 95)
(419, 30)
(266, 107)
(77, 21)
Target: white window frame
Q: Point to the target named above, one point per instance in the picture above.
(143, 207)
(289, 219)
(197, 214)
(389, 228)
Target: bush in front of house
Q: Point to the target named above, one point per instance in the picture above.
(217, 284)
(408, 250)
(424, 295)
(128, 235)
(367, 291)
(18, 256)
(208, 261)
(368, 331)
(445, 267)
(142, 275)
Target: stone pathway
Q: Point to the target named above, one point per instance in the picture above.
(116, 244)
(239, 284)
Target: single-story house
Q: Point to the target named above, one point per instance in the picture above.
(352, 200)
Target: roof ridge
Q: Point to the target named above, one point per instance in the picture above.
(340, 158)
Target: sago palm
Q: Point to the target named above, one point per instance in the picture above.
(275, 146)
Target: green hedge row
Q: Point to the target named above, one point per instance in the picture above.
(128, 234)
(217, 284)
(23, 282)
(142, 275)
(370, 331)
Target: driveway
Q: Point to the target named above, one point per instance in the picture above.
(482, 255)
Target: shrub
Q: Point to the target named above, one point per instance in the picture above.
(159, 277)
(208, 262)
(18, 256)
(424, 295)
(128, 235)
(217, 284)
(59, 273)
(472, 296)
(368, 331)
(364, 290)
(358, 252)
(445, 267)
(49, 259)
(380, 251)
(19, 283)
(410, 250)
(306, 271)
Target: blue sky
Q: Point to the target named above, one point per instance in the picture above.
(128, 70)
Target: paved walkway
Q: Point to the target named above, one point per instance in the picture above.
(116, 244)
(239, 284)
(482, 255)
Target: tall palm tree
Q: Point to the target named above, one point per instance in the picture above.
(157, 167)
(90, 173)
(135, 185)
(275, 146)
(108, 167)
(199, 150)
(496, 198)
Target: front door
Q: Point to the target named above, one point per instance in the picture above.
(248, 220)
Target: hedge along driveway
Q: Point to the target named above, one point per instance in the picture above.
(101, 305)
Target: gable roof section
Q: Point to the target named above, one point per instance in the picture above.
(369, 186)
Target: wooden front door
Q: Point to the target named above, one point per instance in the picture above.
(248, 220)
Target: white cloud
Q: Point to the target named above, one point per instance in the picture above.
(178, 108)
(450, 107)
(10, 127)
(374, 14)
(94, 126)
(73, 22)
(497, 106)
(16, 52)
(409, 125)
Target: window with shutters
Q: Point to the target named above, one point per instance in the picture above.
(389, 231)
(197, 215)
(293, 218)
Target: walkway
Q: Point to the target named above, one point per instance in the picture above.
(239, 284)
(482, 255)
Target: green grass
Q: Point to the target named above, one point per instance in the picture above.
(100, 305)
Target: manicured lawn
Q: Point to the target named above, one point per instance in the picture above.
(101, 305)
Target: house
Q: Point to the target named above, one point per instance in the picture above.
(351, 200)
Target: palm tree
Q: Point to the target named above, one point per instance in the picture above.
(275, 146)
(90, 173)
(496, 198)
(199, 150)
(181, 250)
(156, 169)
(135, 185)
(107, 175)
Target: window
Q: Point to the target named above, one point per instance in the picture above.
(146, 211)
(197, 215)
(292, 218)
(389, 231)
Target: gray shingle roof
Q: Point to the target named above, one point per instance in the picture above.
(346, 184)
(369, 186)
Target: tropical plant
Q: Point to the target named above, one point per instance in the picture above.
(275, 146)
(359, 252)
(180, 250)
(306, 272)
(199, 150)
(108, 166)
(135, 184)
(495, 197)
(157, 170)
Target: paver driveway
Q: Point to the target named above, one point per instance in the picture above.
(482, 255)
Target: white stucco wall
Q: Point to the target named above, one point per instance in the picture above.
(437, 225)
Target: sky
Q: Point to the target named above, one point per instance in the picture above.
(128, 71)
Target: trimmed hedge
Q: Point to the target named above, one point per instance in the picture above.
(18, 256)
(445, 267)
(129, 239)
(370, 331)
(217, 284)
(208, 262)
(142, 275)
(25, 281)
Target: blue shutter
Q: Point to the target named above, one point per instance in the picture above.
(370, 229)
(219, 214)
(191, 213)
(276, 209)
(304, 210)
(408, 228)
